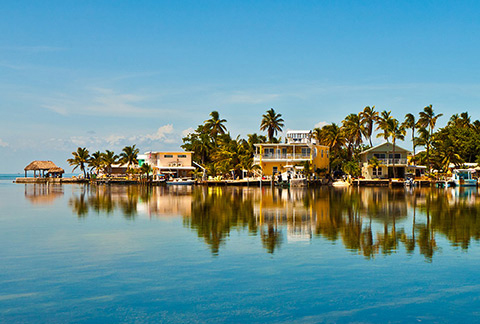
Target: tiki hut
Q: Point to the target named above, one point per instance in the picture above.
(55, 172)
(41, 167)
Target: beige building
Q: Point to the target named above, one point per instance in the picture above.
(386, 160)
(300, 147)
(176, 164)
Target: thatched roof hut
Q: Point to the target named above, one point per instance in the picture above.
(41, 167)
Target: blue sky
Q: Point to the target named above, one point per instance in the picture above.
(114, 73)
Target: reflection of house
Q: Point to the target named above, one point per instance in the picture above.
(385, 160)
(178, 164)
(300, 147)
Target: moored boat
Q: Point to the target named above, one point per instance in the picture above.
(181, 182)
(463, 178)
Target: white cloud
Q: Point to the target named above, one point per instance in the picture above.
(187, 131)
(3, 143)
(321, 124)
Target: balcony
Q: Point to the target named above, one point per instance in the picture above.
(388, 162)
(285, 157)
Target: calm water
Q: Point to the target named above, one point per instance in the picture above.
(78, 254)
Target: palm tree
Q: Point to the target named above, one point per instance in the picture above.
(272, 123)
(397, 131)
(214, 125)
(129, 156)
(80, 158)
(353, 130)
(410, 123)
(109, 158)
(146, 169)
(428, 118)
(425, 139)
(95, 162)
(368, 117)
(382, 124)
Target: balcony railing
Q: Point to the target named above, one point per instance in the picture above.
(390, 161)
(286, 156)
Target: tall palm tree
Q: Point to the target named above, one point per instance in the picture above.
(411, 123)
(109, 158)
(272, 123)
(397, 132)
(215, 125)
(80, 158)
(425, 139)
(95, 162)
(368, 117)
(428, 118)
(382, 124)
(353, 131)
(129, 156)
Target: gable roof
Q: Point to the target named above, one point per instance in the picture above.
(40, 165)
(385, 147)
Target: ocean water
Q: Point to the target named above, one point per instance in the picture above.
(133, 254)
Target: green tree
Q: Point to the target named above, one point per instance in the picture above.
(215, 126)
(411, 123)
(109, 158)
(80, 158)
(95, 162)
(368, 117)
(272, 123)
(353, 130)
(129, 156)
(428, 118)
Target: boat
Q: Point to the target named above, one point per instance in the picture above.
(181, 182)
(463, 178)
(340, 183)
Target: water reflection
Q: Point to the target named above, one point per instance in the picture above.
(367, 221)
(42, 194)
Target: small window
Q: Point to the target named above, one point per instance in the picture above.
(167, 156)
(322, 153)
(275, 169)
(182, 156)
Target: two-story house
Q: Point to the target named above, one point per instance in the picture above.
(386, 159)
(176, 164)
(300, 147)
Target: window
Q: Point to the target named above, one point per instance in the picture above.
(182, 156)
(377, 171)
(168, 156)
(379, 155)
(275, 169)
(305, 151)
(322, 153)
(397, 156)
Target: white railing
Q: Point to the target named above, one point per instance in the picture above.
(286, 156)
(390, 161)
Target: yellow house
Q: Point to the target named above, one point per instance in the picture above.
(177, 164)
(300, 147)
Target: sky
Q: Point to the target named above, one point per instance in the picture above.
(106, 74)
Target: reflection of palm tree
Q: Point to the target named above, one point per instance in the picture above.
(271, 239)
(79, 204)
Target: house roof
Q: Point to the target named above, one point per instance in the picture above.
(385, 147)
(56, 170)
(40, 165)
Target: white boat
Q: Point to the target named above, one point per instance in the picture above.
(463, 178)
(340, 183)
(181, 182)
